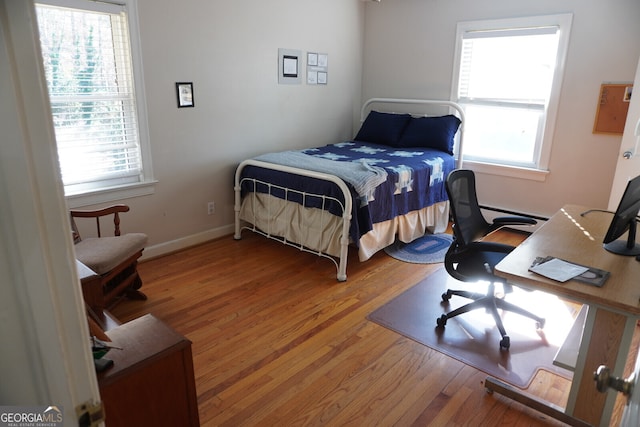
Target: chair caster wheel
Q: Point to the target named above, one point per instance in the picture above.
(446, 296)
(441, 321)
(505, 343)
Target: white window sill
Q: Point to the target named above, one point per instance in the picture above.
(111, 194)
(510, 171)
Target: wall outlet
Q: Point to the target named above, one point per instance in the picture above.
(211, 208)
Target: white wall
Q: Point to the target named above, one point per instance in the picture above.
(229, 50)
(409, 53)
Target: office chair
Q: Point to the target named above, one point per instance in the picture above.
(469, 259)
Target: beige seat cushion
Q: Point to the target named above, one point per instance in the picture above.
(105, 253)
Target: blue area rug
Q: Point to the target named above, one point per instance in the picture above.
(428, 249)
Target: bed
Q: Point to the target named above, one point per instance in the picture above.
(385, 184)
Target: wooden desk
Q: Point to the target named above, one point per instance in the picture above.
(613, 308)
(151, 382)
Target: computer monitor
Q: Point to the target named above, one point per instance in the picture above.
(625, 218)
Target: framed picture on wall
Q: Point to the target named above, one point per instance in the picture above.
(312, 59)
(289, 66)
(184, 91)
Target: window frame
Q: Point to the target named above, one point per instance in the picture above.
(563, 22)
(146, 185)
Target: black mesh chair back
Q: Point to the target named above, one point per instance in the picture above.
(469, 223)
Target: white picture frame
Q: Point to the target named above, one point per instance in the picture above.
(312, 77)
(312, 59)
(323, 60)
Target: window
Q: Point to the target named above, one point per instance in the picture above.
(97, 108)
(507, 79)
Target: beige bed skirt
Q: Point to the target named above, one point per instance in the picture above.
(319, 230)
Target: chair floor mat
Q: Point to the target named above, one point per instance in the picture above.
(473, 337)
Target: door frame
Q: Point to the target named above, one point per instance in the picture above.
(627, 168)
(47, 358)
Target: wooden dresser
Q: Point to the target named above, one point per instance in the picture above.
(151, 382)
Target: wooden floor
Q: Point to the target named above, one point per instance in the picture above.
(278, 341)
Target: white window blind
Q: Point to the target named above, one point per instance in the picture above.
(508, 66)
(88, 68)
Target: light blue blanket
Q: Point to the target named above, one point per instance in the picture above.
(362, 176)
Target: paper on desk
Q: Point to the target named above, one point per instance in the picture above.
(558, 269)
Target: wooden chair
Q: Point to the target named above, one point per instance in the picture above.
(113, 259)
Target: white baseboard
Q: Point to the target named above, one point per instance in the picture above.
(165, 248)
(185, 242)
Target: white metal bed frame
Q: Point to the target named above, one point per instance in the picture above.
(341, 264)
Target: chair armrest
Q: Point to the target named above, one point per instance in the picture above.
(514, 220)
(488, 246)
(99, 212)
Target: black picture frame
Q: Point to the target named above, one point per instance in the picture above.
(184, 93)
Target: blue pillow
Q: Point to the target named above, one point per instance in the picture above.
(383, 128)
(430, 132)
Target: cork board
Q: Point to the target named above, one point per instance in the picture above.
(613, 105)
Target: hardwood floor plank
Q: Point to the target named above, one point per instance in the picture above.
(341, 386)
(374, 390)
(278, 341)
(424, 404)
(450, 406)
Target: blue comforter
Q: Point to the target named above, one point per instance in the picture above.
(414, 180)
